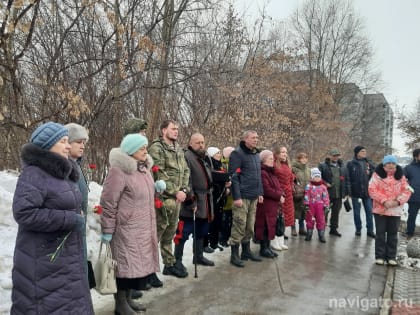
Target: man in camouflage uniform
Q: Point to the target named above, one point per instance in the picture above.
(173, 169)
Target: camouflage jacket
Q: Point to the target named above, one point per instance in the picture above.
(172, 167)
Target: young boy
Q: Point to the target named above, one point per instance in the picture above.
(316, 200)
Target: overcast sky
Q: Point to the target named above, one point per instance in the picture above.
(393, 26)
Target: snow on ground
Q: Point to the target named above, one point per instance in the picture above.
(102, 303)
(8, 231)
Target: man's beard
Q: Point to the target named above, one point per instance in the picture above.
(201, 152)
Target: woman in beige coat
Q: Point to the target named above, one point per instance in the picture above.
(129, 221)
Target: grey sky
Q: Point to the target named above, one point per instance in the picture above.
(393, 26)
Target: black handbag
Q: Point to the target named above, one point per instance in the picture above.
(347, 205)
(280, 225)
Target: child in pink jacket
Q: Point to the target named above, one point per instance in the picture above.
(389, 190)
(316, 199)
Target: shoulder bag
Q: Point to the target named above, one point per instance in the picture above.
(105, 271)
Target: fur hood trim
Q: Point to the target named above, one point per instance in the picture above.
(50, 162)
(126, 163)
(382, 174)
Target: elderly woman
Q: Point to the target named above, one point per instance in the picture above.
(47, 207)
(129, 219)
(267, 212)
(389, 190)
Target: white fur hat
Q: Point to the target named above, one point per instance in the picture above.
(211, 151)
(76, 132)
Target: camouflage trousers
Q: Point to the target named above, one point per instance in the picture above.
(167, 222)
(243, 221)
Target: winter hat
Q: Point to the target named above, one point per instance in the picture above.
(48, 134)
(134, 125)
(132, 142)
(264, 154)
(227, 151)
(358, 148)
(389, 159)
(315, 172)
(76, 132)
(211, 151)
(334, 151)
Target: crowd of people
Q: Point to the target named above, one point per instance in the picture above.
(157, 195)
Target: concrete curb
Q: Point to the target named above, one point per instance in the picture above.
(387, 296)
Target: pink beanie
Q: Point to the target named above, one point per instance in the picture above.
(227, 151)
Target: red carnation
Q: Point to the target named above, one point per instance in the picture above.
(98, 209)
(238, 170)
(341, 177)
(158, 203)
(155, 168)
(92, 166)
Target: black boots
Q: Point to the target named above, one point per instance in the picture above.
(321, 235)
(309, 233)
(265, 250)
(199, 258)
(333, 231)
(178, 253)
(154, 281)
(234, 256)
(247, 254)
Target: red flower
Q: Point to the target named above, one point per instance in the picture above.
(158, 203)
(155, 168)
(97, 209)
(238, 170)
(341, 177)
(92, 166)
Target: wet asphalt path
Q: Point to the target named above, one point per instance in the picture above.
(338, 277)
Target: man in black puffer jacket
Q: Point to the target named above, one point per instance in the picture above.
(359, 172)
(333, 175)
(245, 169)
(412, 173)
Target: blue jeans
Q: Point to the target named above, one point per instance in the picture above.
(367, 205)
(413, 209)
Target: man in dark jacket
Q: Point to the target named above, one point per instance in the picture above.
(412, 173)
(198, 203)
(245, 169)
(333, 175)
(359, 172)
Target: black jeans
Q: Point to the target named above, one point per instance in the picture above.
(335, 211)
(386, 236)
(413, 209)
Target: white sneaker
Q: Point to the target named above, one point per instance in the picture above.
(392, 262)
(379, 261)
(274, 244)
(281, 243)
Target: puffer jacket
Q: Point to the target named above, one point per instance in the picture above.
(129, 215)
(412, 173)
(245, 170)
(46, 204)
(384, 187)
(359, 172)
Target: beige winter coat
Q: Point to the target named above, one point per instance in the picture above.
(129, 215)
